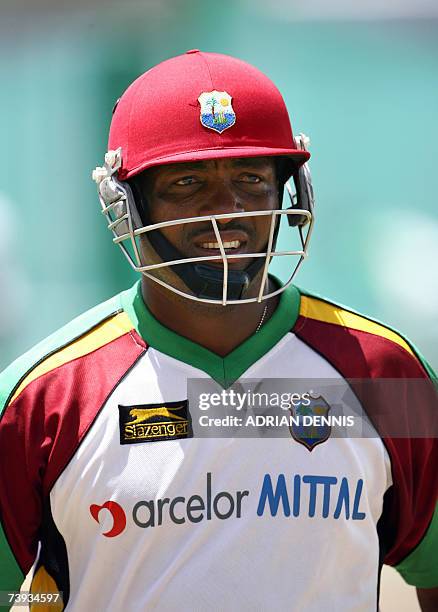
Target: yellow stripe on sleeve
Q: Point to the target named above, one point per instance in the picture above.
(43, 584)
(104, 333)
(319, 310)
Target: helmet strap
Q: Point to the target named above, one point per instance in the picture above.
(203, 280)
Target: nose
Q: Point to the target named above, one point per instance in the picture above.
(221, 201)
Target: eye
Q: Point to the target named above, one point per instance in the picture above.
(186, 180)
(251, 178)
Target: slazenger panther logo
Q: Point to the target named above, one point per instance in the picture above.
(154, 422)
(118, 514)
(142, 415)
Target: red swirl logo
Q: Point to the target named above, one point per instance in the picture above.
(118, 514)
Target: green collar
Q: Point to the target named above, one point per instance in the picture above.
(225, 370)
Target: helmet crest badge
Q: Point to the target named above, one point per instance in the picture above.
(217, 112)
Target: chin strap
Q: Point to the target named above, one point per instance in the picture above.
(206, 281)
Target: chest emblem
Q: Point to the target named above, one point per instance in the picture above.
(217, 112)
(154, 422)
(310, 425)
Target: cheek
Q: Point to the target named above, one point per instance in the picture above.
(274, 198)
(269, 200)
(160, 212)
(263, 225)
(270, 203)
(172, 233)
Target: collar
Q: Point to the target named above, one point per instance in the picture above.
(225, 370)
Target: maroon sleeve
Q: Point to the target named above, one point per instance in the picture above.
(41, 429)
(400, 399)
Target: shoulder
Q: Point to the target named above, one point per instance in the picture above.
(361, 347)
(356, 344)
(92, 333)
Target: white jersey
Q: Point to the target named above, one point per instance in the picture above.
(139, 505)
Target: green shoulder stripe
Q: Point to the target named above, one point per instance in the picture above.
(420, 568)
(11, 378)
(412, 346)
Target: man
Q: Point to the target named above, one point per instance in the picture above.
(109, 484)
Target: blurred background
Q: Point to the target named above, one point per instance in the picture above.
(360, 78)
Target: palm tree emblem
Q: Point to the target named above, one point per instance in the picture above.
(216, 110)
(212, 101)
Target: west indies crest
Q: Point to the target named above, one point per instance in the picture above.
(311, 430)
(217, 112)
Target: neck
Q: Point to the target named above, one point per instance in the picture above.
(218, 328)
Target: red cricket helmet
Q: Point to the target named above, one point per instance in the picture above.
(195, 107)
(222, 107)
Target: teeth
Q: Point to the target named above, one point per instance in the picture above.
(233, 244)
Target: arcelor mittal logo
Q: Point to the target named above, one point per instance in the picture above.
(118, 514)
(313, 496)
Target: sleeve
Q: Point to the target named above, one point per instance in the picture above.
(397, 390)
(49, 399)
(409, 521)
(420, 567)
(20, 488)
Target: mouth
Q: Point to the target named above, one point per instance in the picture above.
(209, 248)
(235, 243)
(229, 246)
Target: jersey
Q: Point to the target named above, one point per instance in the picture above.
(111, 498)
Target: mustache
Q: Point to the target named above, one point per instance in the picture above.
(232, 225)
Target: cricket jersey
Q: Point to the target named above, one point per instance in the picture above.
(114, 495)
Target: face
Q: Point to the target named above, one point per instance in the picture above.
(214, 187)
